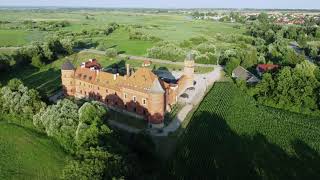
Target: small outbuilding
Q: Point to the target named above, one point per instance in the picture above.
(243, 74)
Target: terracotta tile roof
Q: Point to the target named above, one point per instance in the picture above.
(267, 67)
(92, 63)
(109, 80)
(85, 74)
(143, 80)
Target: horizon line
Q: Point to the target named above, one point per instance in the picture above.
(166, 8)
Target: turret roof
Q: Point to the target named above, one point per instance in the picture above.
(67, 66)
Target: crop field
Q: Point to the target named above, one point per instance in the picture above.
(231, 137)
(26, 154)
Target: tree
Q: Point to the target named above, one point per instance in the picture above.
(263, 17)
(231, 65)
(37, 61)
(59, 121)
(249, 57)
(4, 63)
(206, 48)
(227, 55)
(302, 40)
(111, 52)
(91, 130)
(166, 50)
(294, 89)
(19, 101)
(14, 84)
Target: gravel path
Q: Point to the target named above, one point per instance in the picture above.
(141, 58)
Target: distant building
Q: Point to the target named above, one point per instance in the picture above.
(146, 63)
(243, 74)
(263, 68)
(142, 92)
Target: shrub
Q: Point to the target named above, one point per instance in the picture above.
(207, 58)
(206, 47)
(37, 61)
(111, 52)
(165, 50)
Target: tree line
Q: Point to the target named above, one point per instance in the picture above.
(82, 130)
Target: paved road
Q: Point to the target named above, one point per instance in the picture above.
(141, 58)
(203, 82)
(295, 46)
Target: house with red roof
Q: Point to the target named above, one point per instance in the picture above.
(263, 68)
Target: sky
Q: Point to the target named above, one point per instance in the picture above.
(263, 4)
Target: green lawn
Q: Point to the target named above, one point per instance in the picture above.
(18, 37)
(231, 137)
(127, 120)
(120, 40)
(26, 154)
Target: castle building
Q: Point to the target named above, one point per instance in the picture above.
(142, 92)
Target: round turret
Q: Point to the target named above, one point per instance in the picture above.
(189, 69)
(67, 66)
(67, 78)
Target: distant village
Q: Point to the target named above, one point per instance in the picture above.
(289, 18)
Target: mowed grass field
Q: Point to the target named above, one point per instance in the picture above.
(170, 27)
(26, 154)
(231, 137)
(15, 38)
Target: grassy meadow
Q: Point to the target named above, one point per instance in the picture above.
(27, 154)
(170, 27)
(14, 38)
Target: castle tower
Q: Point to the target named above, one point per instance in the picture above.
(189, 69)
(156, 105)
(67, 77)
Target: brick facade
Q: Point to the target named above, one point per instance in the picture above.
(142, 92)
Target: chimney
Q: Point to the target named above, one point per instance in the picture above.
(128, 69)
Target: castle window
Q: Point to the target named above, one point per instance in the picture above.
(144, 101)
(81, 91)
(107, 91)
(134, 98)
(98, 88)
(125, 95)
